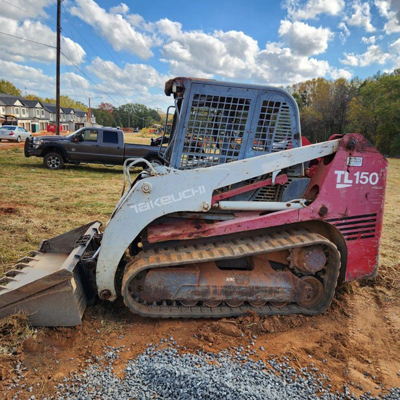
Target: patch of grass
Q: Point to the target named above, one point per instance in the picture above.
(388, 279)
(36, 203)
(13, 331)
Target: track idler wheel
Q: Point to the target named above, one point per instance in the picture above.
(234, 303)
(258, 303)
(212, 303)
(315, 293)
(188, 303)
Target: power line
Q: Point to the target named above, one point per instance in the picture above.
(22, 9)
(102, 43)
(79, 82)
(53, 47)
(105, 78)
(80, 70)
(90, 79)
(28, 40)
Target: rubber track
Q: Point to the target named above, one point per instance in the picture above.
(229, 249)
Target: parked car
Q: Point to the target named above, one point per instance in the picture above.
(88, 145)
(14, 133)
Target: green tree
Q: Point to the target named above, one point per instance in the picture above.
(324, 106)
(375, 112)
(9, 88)
(135, 115)
(104, 117)
(66, 101)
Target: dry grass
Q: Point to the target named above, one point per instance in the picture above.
(13, 331)
(388, 280)
(36, 203)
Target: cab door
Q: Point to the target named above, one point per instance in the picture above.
(111, 147)
(85, 146)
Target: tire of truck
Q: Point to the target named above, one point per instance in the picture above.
(53, 161)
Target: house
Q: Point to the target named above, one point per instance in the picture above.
(12, 105)
(36, 114)
(80, 118)
(69, 114)
(51, 111)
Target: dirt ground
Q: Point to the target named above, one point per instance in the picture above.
(355, 342)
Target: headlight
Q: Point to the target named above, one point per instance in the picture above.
(37, 143)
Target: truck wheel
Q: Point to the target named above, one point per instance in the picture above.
(19, 139)
(53, 161)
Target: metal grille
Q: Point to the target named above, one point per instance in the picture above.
(357, 227)
(274, 129)
(215, 130)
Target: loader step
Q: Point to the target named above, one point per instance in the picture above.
(323, 282)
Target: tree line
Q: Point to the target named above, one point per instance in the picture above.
(65, 101)
(126, 116)
(370, 107)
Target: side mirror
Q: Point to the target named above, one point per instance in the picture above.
(75, 139)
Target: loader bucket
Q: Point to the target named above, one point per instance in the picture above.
(50, 285)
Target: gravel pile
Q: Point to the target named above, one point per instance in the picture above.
(167, 373)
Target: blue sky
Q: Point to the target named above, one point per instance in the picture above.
(124, 51)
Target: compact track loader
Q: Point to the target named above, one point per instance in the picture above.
(245, 215)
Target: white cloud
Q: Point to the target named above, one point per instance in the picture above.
(134, 82)
(340, 73)
(235, 55)
(14, 49)
(119, 32)
(22, 76)
(24, 9)
(370, 40)
(313, 8)
(230, 54)
(390, 9)
(303, 39)
(278, 65)
(169, 28)
(361, 16)
(345, 33)
(395, 48)
(120, 9)
(373, 55)
(72, 80)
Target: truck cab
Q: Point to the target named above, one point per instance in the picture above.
(99, 145)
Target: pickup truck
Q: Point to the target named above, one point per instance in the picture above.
(88, 145)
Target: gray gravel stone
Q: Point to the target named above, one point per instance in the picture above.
(167, 374)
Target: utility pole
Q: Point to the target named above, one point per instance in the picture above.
(58, 67)
(89, 114)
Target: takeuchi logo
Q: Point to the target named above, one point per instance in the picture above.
(168, 199)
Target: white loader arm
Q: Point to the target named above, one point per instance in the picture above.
(176, 191)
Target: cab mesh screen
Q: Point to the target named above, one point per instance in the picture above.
(215, 130)
(274, 130)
